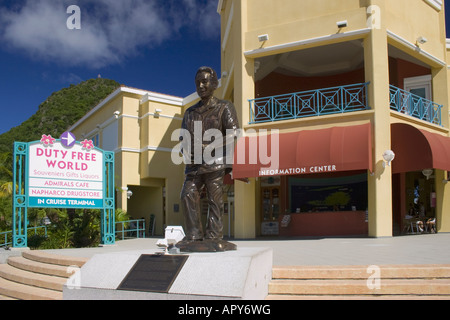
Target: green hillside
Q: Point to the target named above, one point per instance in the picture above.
(54, 116)
(62, 109)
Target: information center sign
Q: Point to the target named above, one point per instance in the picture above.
(65, 178)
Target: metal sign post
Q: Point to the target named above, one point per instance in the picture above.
(20, 218)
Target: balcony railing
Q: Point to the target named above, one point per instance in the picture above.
(130, 229)
(309, 103)
(415, 106)
(6, 237)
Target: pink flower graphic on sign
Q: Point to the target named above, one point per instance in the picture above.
(47, 140)
(88, 145)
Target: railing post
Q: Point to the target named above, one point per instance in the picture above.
(252, 112)
(294, 107)
(272, 109)
(318, 104)
(439, 115)
(366, 93)
(143, 228)
(410, 104)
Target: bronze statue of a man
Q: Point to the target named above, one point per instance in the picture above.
(208, 115)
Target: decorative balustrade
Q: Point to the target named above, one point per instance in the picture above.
(309, 103)
(415, 106)
(339, 100)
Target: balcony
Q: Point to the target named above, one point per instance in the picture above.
(336, 100)
(309, 103)
(415, 106)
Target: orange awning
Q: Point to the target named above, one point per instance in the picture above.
(304, 152)
(417, 149)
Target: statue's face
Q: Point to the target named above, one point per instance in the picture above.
(205, 87)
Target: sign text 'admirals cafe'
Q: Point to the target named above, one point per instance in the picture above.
(65, 173)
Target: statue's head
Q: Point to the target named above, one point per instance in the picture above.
(206, 82)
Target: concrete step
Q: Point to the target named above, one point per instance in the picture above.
(44, 257)
(431, 282)
(36, 275)
(25, 292)
(39, 267)
(11, 273)
(5, 298)
(360, 287)
(362, 272)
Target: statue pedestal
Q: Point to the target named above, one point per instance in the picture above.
(206, 246)
(242, 274)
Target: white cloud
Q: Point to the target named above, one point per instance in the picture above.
(199, 16)
(111, 30)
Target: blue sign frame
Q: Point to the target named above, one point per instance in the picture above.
(21, 198)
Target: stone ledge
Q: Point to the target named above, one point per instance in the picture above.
(243, 274)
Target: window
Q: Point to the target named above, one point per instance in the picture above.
(95, 139)
(420, 86)
(110, 137)
(348, 193)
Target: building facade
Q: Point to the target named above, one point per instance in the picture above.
(346, 83)
(137, 125)
(345, 112)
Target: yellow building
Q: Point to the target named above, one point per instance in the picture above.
(341, 80)
(339, 84)
(137, 125)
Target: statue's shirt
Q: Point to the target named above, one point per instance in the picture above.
(220, 115)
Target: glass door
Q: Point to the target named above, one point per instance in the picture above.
(420, 86)
(270, 203)
(270, 211)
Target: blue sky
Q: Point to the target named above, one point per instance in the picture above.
(155, 45)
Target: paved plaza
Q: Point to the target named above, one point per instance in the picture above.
(411, 249)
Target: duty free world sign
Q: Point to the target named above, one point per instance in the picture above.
(63, 173)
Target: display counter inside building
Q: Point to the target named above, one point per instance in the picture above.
(335, 223)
